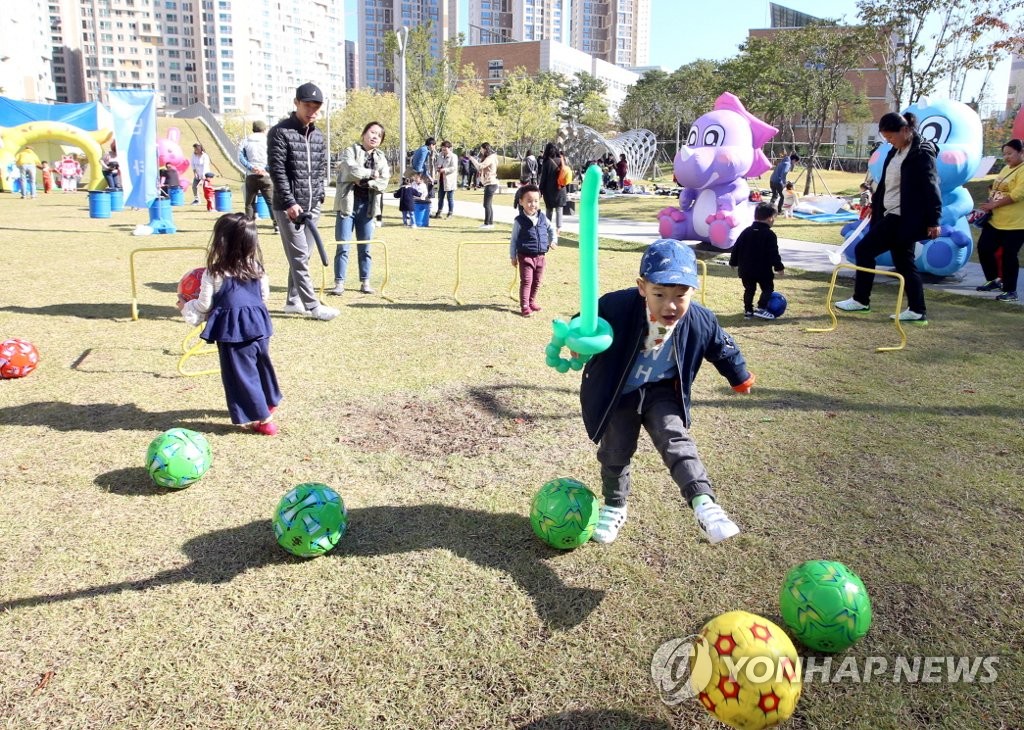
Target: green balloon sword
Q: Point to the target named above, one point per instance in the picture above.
(586, 334)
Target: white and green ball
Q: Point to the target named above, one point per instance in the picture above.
(178, 457)
(310, 520)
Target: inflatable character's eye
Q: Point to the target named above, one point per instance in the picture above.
(691, 140)
(714, 136)
(935, 129)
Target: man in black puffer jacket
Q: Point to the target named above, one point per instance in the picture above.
(297, 163)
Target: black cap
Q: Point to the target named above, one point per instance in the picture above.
(309, 92)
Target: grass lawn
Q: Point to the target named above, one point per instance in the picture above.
(123, 605)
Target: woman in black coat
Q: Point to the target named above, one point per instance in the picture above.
(905, 209)
(553, 195)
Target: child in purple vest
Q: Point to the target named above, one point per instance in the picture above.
(532, 236)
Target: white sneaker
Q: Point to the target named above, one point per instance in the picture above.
(909, 315)
(852, 305)
(295, 309)
(763, 314)
(715, 523)
(609, 522)
(324, 313)
(486, 227)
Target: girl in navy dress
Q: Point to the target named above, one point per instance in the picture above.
(232, 301)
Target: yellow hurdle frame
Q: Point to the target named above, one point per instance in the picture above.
(876, 272)
(131, 270)
(458, 268)
(192, 346)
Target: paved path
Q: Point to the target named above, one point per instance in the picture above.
(795, 254)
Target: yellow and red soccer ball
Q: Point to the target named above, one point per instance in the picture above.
(18, 358)
(755, 678)
(190, 284)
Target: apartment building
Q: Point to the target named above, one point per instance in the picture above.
(615, 31)
(505, 21)
(26, 51)
(379, 17)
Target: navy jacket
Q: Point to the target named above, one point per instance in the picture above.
(920, 198)
(696, 337)
(532, 240)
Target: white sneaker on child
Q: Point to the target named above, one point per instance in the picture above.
(714, 522)
(609, 522)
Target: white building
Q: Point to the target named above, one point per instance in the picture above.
(504, 21)
(25, 51)
(616, 31)
(379, 17)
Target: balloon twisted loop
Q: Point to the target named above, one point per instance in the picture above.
(581, 346)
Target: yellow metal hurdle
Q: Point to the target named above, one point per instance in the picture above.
(458, 268)
(192, 346)
(131, 270)
(877, 272)
(387, 267)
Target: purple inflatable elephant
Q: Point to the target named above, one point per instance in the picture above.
(724, 147)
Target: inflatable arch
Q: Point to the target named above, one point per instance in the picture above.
(12, 139)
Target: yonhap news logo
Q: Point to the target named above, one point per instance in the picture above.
(682, 669)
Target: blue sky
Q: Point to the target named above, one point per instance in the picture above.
(685, 30)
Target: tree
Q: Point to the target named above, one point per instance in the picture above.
(431, 81)
(767, 81)
(526, 112)
(925, 42)
(472, 118)
(583, 101)
(363, 106)
(819, 59)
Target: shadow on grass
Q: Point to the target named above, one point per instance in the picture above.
(809, 401)
(502, 542)
(488, 398)
(132, 481)
(101, 417)
(108, 310)
(595, 720)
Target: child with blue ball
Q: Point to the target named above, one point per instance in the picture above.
(756, 256)
(644, 378)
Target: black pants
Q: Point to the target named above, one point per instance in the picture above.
(882, 236)
(992, 239)
(257, 184)
(777, 192)
(750, 284)
(489, 191)
(659, 409)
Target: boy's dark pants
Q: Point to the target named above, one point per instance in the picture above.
(750, 284)
(661, 413)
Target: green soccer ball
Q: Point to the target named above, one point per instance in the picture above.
(826, 605)
(564, 513)
(178, 457)
(310, 520)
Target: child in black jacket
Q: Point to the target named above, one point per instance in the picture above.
(756, 254)
(406, 195)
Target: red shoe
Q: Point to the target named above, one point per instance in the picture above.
(269, 428)
(535, 308)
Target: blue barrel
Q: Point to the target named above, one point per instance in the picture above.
(177, 196)
(222, 201)
(99, 204)
(160, 209)
(262, 210)
(116, 200)
(421, 213)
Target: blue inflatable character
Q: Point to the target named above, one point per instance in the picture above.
(956, 129)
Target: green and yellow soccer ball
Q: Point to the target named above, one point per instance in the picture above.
(826, 605)
(310, 520)
(178, 457)
(564, 513)
(755, 678)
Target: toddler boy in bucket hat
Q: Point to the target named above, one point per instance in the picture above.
(645, 377)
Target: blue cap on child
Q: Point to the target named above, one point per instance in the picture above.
(669, 262)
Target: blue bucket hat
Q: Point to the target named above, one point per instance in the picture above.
(669, 262)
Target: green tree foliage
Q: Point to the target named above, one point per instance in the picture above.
(431, 80)
(928, 41)
(583, 100)
(363, 106)
(526, 112)
(472, 118)
(760, 75)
